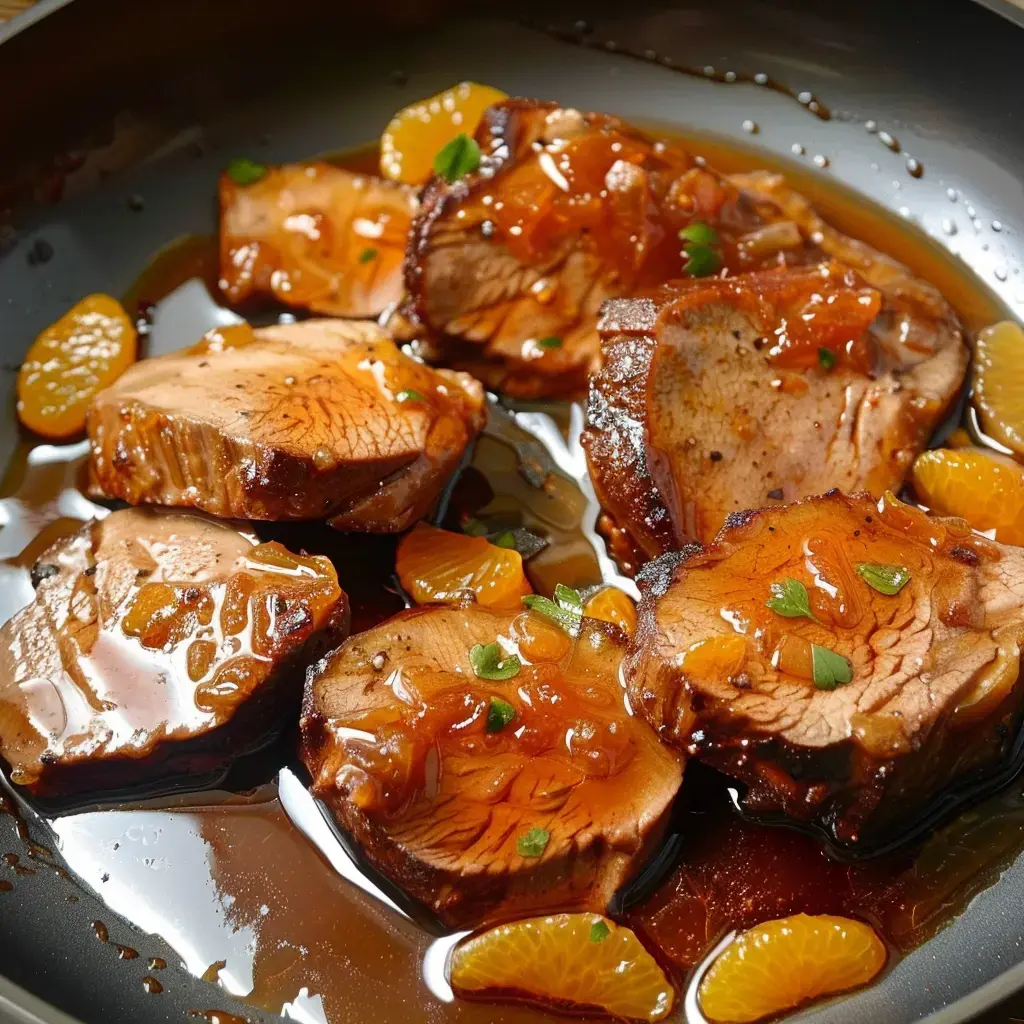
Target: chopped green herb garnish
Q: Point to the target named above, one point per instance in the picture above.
(599, 931)
(566, 610)
(551, 341)
(699, 232)
(457, 158)
(533, 843)
(701, 260)
(830, 669)
(789, 598)
(243, 171)
(408, 395)
(474, 527)
(827, 358)
(489, 661)
(886, 579)
(499, 714)
(367, 254)
(506, 539)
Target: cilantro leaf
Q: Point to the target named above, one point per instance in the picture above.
(499, 714)
(409, 395)
(243, 171)
(701, 260)
(367, 254)
(827, 358)
(489, 661)
(789, 598)
(599, 931)
(533, 843)
(886, 579)
(699, 232)
(457, 158)
(551, 341)
(566, 610)
(830, 669)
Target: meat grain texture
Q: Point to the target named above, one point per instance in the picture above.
(158, 644)
(395, 738)
(325, 419)
(935, 693)
(715, 396)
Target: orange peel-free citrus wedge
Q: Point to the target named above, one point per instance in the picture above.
(440, 567)
(576, 961)
(985, 488)
(86, 350)
(417, 133)
(613, 605)
(780, 964)
(999, 383)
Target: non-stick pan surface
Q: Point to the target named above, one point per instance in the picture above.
(158, 96)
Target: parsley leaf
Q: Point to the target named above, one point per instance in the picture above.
(489, 661)
(243, 171)
(830, 669)
(789, 598)
(457, 158)
(499, 714)
(827, 358)
(886, 579)
(409, 395)
(533, 843)
(551, 341)
(699, 232)
(566, 610)
(599, 931)
(367, 254)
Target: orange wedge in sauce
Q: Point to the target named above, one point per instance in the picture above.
(985, 488)
(999, 383)
(578, 962)
(86, 350)
(613, 605)
(778, 965)
(416, 134)
(440, 567)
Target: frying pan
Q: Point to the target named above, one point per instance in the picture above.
(124, 111)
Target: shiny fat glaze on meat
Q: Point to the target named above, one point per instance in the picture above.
(935, 693)
(322, 419)
(157, 643)
(394, 737)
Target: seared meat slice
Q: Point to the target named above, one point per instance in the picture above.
(725, 394)
(322, 419)
(157, 644)
(476, 816)
(566, 210)
(315, 236)
(932, 695)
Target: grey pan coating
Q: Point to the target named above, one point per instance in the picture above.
(943, 77)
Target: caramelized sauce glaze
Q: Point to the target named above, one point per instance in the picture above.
(260, 909)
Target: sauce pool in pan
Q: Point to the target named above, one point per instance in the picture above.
(252, 888)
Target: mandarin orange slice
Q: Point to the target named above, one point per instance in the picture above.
(86, 350)
(780, 964)
(415, 134)
(985, 488)
(999, 383)
(441, 567)
(576, 961)
(613, 605)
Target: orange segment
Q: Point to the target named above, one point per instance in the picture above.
(412, 139)
(577, 961)
(86, 350)
(612, 605)
(999, 383)
(440, 567)
(982, 487)
(778, 965)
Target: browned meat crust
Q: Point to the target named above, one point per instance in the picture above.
(322, 419)
(394, 736)
(934, 693)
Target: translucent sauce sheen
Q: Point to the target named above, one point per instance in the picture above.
(259, 909)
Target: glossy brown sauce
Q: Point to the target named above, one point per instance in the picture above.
(260, 911)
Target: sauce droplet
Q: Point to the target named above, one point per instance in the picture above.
(152, 986)
(751, 127)
(889, 141)
(915, 168)
(101, 931)
(820, 160)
